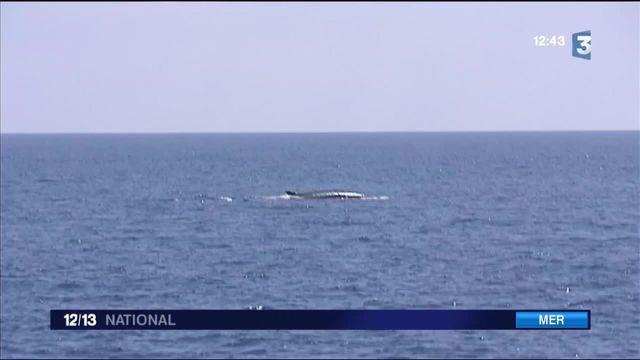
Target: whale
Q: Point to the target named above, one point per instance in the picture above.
(326, 194)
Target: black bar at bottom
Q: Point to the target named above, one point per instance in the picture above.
(285, 319)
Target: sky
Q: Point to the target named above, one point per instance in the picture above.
(315, 67)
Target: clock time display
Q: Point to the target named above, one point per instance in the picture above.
(542, 40)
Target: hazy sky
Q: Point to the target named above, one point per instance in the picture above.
(251, 67)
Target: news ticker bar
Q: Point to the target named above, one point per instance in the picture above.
(320, 319)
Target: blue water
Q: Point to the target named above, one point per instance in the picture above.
(472, 220)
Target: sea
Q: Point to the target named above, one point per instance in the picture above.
(466, 220)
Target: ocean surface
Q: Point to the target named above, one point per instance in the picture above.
(454, 220)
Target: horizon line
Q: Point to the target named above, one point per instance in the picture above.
(312, 132)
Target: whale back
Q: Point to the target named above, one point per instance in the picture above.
(327, 194)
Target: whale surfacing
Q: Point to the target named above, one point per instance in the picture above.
(327, 194)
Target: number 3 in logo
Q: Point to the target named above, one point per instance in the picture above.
(582, 45)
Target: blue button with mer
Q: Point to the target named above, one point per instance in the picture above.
(552, 320)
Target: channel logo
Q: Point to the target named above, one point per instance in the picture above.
(581, 45)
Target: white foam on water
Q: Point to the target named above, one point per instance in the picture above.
(280, 197)
(375, 198)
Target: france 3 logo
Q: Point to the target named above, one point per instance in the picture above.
(581, 45)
